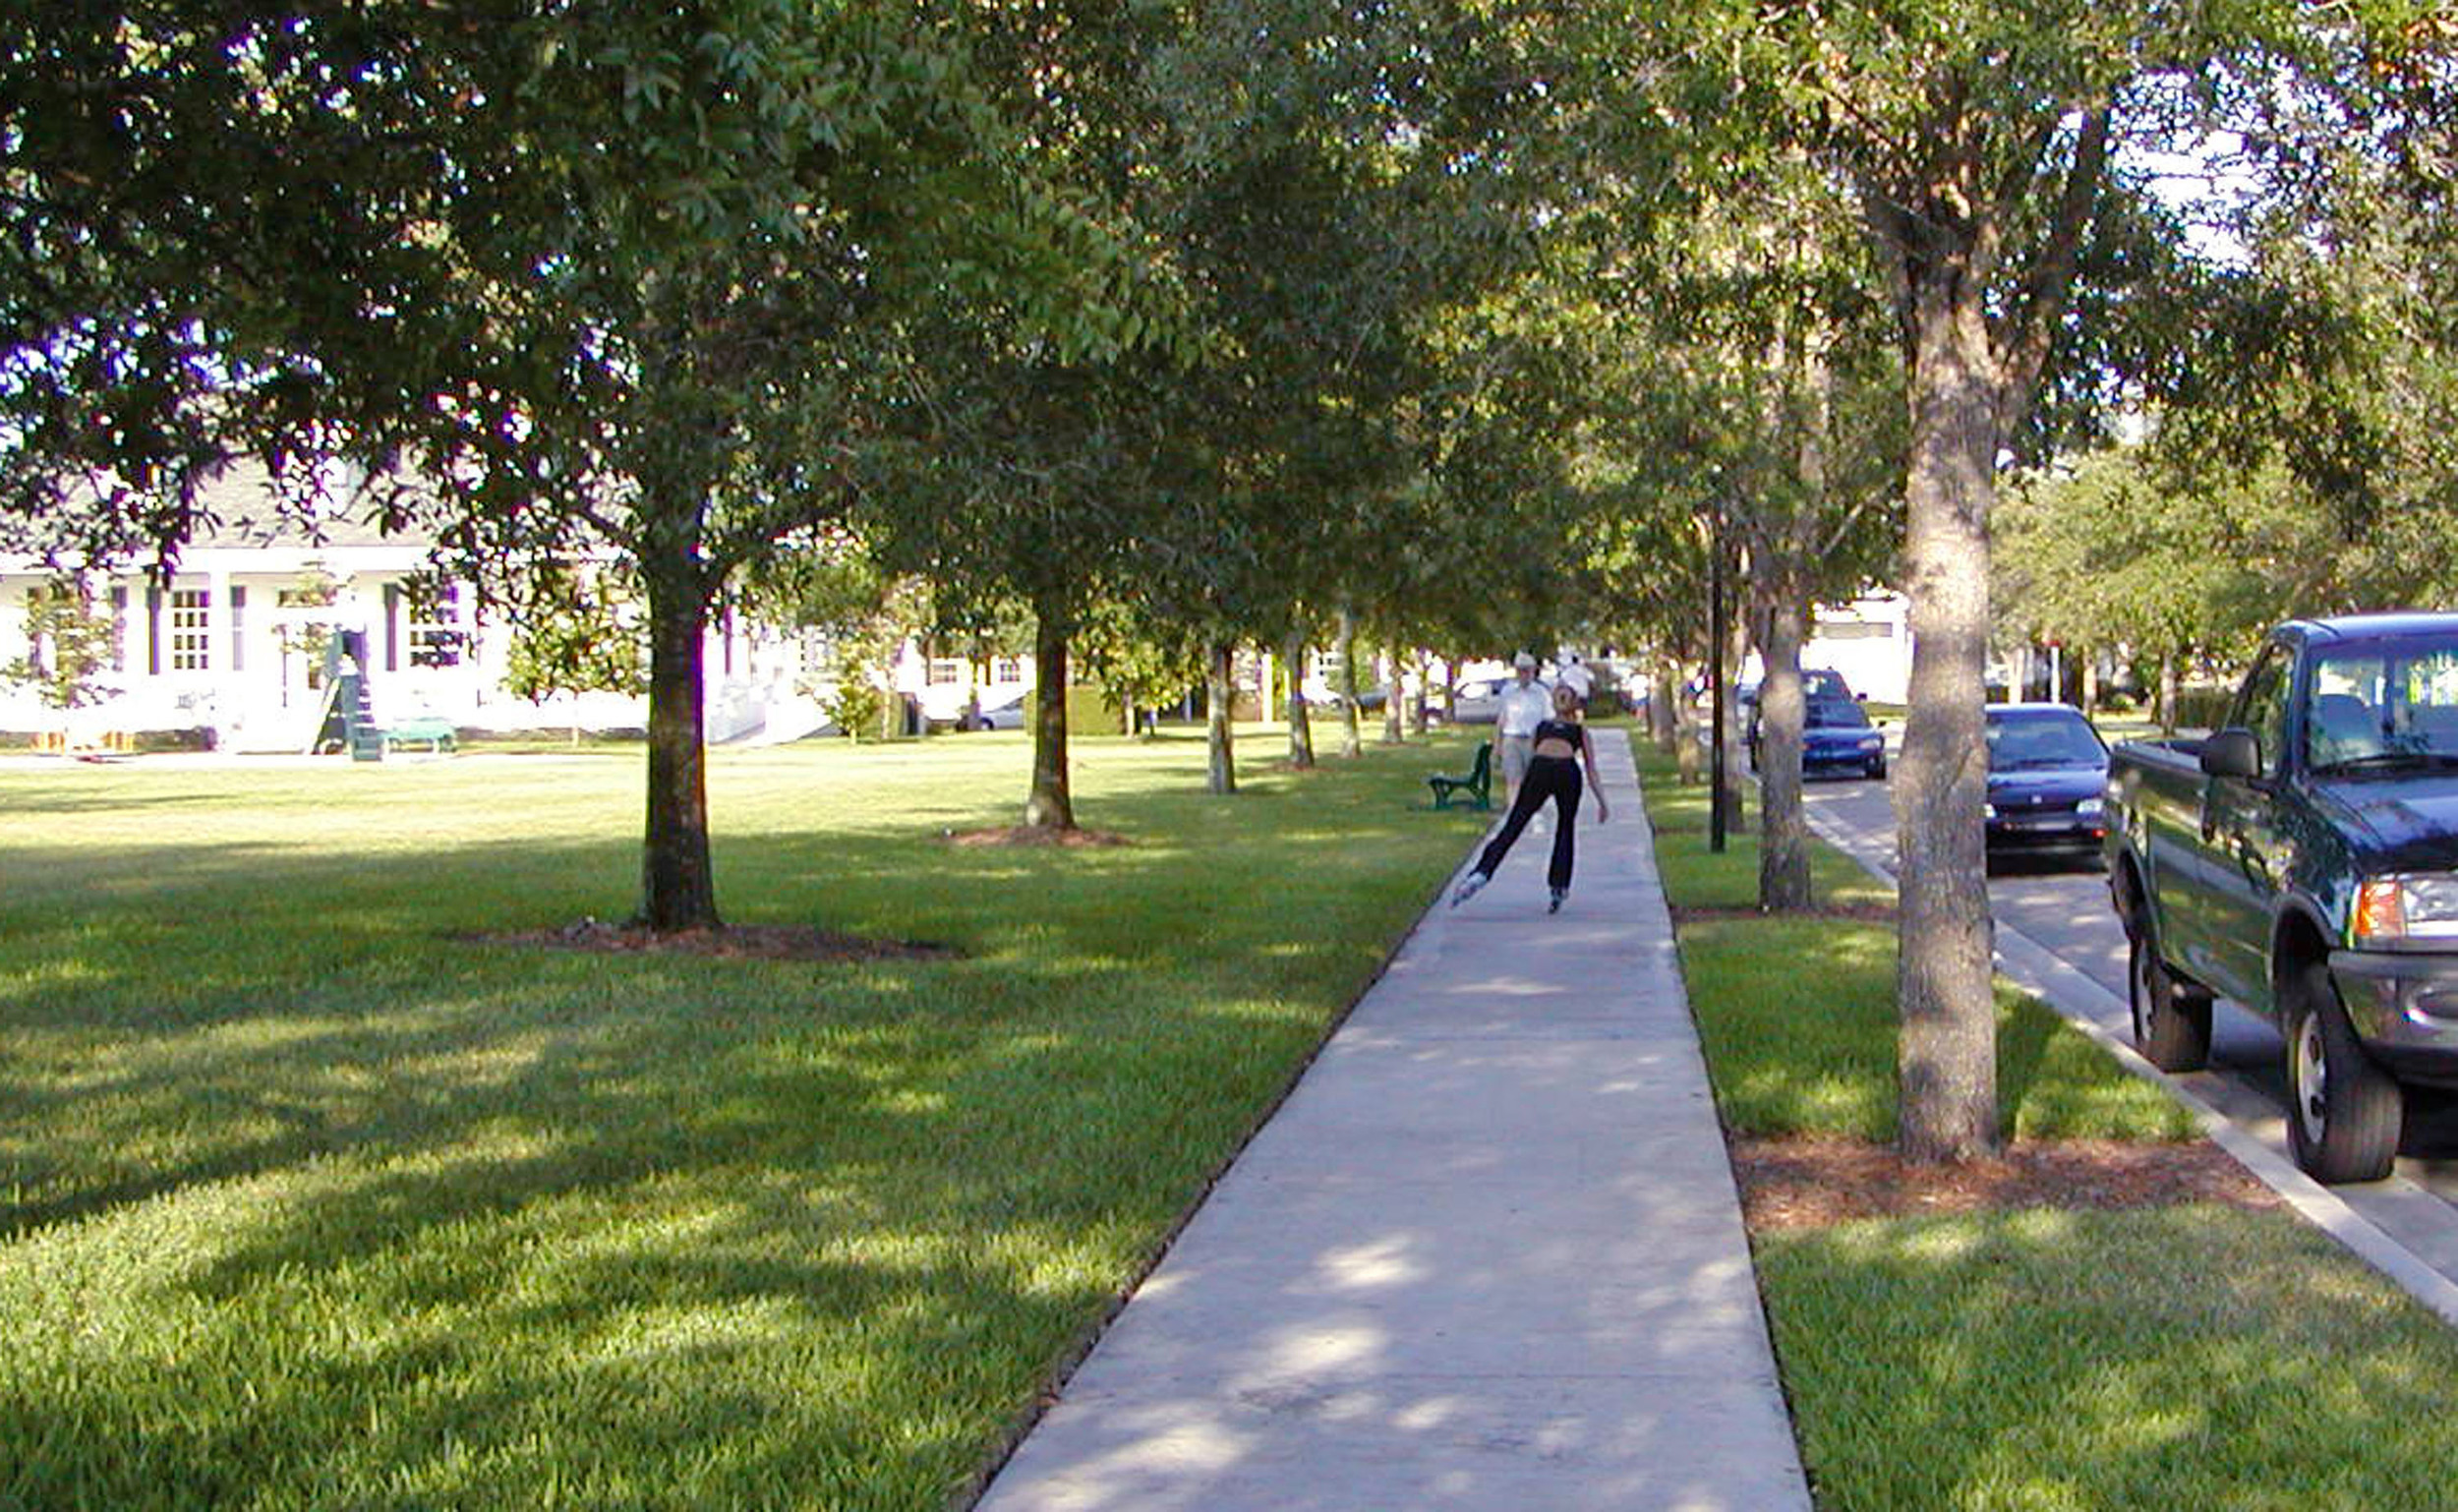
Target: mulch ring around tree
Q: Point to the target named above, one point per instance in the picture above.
(1802, 1183)
(1863, 914)
(1035, 835)
(736, 941)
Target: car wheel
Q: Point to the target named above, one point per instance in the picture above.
(1877, 770)
(2345, 1111)
(2171, 1024)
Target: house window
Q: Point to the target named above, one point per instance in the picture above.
(437, 633)
(945, 671)
(1004, 669)
(191, 641)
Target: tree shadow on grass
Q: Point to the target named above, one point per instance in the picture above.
(645, 1243)
(477, 1220)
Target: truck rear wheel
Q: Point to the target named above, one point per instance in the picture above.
(2345, 1111)
(2171, 1024)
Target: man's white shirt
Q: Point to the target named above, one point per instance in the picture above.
(1522, 709)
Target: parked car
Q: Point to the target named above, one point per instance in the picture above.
(1479, 702)
(1835, 737)
(2048, 781)
(1009, 712)
(2303, 861)
(1817, 682)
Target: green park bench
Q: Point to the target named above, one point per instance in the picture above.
(1476, 790)
(431, 731)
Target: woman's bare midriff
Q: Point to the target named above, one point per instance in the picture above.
(1557, 748)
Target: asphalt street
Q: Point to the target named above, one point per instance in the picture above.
(2063, 908)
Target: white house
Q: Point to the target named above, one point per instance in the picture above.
(231, 642)
(1868, 641)
(231, 645)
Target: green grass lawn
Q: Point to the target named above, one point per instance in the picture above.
(1698, 878)
(1797, 1015)
(2194, 1356)
(308, 1201)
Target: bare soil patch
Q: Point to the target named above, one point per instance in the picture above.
(1036, 835)
(742, 941)
(1789, 1183)
(1866, 914)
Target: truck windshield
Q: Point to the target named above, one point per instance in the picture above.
(2043, 740)
(2384, 706)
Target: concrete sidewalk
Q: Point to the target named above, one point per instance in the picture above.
(1487, 1255)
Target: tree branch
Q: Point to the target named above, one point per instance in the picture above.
(2044, 293)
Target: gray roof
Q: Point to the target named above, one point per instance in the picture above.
(246, 512)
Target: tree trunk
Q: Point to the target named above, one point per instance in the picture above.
(1300, 731)
(678, 887)
(1782, 707)
(1735, 755)
(1663, 716)
(2167, 696)
(1419, 724)
(1394, 729)
(1784, 838)
(2090, 679)
(1049, 805)
(1947, 1059)
(1220, 738)
(1688, 752)
(1344, 674)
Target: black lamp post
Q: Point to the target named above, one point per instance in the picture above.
(1719, 800)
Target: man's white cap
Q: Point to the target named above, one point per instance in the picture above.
(1523, 660)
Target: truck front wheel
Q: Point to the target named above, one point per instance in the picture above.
(2346, 1112)
(2171, 1024)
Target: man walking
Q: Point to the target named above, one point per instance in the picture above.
(1525, 704)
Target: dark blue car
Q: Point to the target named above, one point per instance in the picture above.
(2048, 781)
(1835, 737)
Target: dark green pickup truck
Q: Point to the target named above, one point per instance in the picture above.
(2303, 860)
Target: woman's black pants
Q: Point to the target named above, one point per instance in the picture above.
(1549, 777)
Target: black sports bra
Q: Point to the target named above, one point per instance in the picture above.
(1557, 729)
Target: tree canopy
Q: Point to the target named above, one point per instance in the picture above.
(619, 278)
(1202, 320)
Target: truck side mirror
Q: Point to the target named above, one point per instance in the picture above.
(2232, 752)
